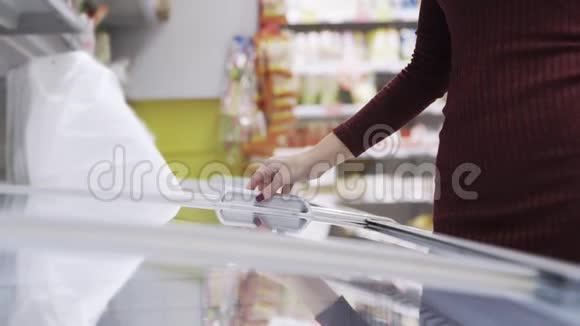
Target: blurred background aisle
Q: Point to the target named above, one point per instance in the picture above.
(214, 88)
(237, 82)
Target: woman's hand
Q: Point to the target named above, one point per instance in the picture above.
(281, 173)
(314, 292)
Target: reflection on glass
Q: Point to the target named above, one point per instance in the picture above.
(43, 286)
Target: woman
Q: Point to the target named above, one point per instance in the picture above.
(511, 69)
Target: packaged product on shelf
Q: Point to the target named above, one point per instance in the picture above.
(364, 90)
(327, 11)
(344, 11)
(259, 298)
(353, 50)
(365, 10)
(282, 117)
(277, 87)
(332, 53)
(300, 48)
(285, 86)
(310, 88)
(284, 103)
(276, 48)
(384, 45)
(329, 90)
(423, 221)
(383, 11)
(408, 40)
(406, 10)
(272, 12)
(328, 72)
(103, 47)
(240, 115)
(409, 4)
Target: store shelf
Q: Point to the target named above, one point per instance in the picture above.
(34, 28)
(386, 189)
(316, 111)
(388, 160)
(17, 50)
(333, 68)
(3, 131)
(351, 26)
(436, 108)
(39, 17)
(136, 13)
(402, 153)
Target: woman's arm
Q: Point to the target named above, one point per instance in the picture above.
(328, 307)
(340, 313)
(282, 172)
(418, 85)
(424, 80)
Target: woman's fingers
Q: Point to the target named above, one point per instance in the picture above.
(270, 190)
(287, 189)
(254, 180)
(270, 178)
(261, 177)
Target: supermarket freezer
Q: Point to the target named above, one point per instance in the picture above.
(256, 268)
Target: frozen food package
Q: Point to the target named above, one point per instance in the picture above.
(69, 127)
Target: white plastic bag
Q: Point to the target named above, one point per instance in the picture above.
(67, 116)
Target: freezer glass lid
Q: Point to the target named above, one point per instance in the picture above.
(74, 260)
(61, 288)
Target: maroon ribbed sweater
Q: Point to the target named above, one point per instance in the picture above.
(512, 72)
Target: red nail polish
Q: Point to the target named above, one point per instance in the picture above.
(260, 198)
